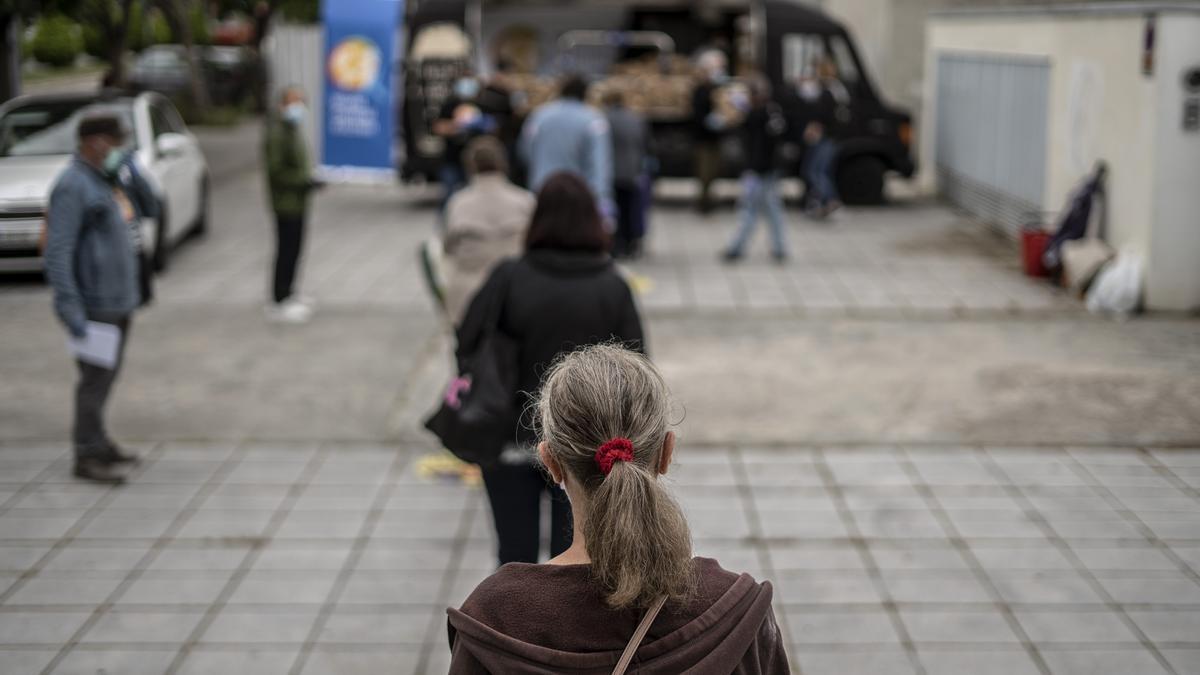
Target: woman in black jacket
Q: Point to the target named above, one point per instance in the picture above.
(562, 294)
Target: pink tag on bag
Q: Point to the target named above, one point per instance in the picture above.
(458, 387)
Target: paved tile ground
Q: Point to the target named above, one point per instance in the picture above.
(292, 558)
(866, 385)
(908, 260)
(920, 261)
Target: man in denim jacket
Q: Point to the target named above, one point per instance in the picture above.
(91, 261)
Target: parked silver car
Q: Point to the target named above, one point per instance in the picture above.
(37, 139)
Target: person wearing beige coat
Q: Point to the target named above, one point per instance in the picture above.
(485, 223)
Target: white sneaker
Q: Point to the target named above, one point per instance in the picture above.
(289, 311)
(306, 300)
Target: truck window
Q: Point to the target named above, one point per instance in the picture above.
(843, 56)
(800, 54)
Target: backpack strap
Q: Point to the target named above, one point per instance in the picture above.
(638, 636)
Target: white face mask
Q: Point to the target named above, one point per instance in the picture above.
(294, 112)
(466, 88)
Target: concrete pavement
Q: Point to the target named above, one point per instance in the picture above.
(903, 324)
(340, 558)
(942, 466)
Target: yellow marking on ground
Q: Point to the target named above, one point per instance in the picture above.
(639, 284)
(445, 467)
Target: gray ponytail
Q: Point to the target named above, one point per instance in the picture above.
(637, 537)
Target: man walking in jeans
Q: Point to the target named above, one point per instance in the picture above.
(761, 133)
(289, 176)
(91, 262)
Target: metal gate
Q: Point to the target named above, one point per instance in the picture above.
(991, 134)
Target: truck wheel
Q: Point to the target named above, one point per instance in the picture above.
(860, 180)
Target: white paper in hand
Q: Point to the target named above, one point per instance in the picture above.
(99, 347)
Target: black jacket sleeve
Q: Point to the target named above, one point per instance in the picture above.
(483, 312)
(702, 107)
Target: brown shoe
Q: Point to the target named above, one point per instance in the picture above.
(101, 470)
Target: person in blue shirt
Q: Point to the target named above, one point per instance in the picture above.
(569, 135)
(92, 263)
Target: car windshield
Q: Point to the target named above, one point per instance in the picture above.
(49, 128)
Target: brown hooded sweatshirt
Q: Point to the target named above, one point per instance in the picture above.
(552, 619)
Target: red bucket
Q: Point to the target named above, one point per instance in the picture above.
(1033, 244)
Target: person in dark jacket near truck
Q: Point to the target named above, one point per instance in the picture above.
(707, 125)
(628, 587)
(631, 151)
(563, 293)
(762, 130)
(827, 100)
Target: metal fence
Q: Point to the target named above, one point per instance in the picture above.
(991, 134)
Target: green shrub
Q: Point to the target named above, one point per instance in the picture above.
(95, 41)
(135, 38)
(57, 41)
(199, 19)
(95, 33)
(300, 11)
(152, 29)
(160, 30)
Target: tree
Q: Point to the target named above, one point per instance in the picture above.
(12, 12)
(108, 22)
(178, 15)
(57, 41)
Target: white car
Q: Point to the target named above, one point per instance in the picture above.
(37, 139)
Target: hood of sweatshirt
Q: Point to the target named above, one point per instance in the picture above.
(516, 622)
(565, 263)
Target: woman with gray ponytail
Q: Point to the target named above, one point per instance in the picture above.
(627, 593)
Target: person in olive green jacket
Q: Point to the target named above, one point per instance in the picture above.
(289, 177)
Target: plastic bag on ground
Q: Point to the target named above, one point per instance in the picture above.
(1118, 287)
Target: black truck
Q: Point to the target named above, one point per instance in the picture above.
(780, 38)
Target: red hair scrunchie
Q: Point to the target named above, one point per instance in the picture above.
(616, 450)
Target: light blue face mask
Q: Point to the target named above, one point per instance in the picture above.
(466, 88)
(113, 160)
(294, 113)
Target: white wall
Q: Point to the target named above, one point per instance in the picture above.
(871, 25)
(1101, 106)
(1173, 277)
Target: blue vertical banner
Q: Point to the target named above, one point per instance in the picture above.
(357, 128)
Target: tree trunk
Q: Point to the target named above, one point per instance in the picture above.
(262, 22)
(179, 19)
(119, 36)
(10, 56)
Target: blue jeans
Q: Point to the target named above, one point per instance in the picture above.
(452, 179)
(818, 172)
(760, 194)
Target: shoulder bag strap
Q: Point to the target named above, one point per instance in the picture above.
(638, 636)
